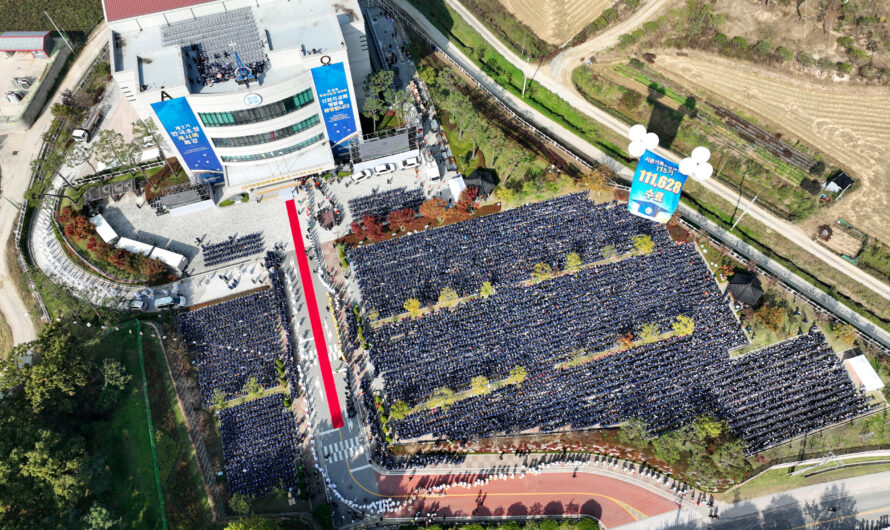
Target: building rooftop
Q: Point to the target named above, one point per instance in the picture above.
(22, 41)
(121, 9)
(199, 52)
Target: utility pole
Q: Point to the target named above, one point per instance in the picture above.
(524, 77)
(532, 79)
(64, 38)
(743, 213)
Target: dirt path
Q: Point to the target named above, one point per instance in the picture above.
(16, 153)
(850, 123)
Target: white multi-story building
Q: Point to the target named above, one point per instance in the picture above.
(252, 93)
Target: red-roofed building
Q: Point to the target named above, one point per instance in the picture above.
(121, 9)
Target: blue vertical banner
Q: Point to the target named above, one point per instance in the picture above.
(655, 192)
(336, 104)
(183, 128)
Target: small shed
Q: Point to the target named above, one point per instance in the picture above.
(862, 372)
(175, 261)
(745, 288)
(456, 185)
(37, 43)
(839, 183)
(136, 247)
(483, 179)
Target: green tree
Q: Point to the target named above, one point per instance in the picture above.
(114, 374)
(495, 140)
(608, 251)
(49, 166)
(399, 410)
(219, 398)
(517, 375)
(644, 244)
(573, 261)
(252, 387)
(480, 385)
(99, 518)
(486, 290)
(448, 297)
(784, 53)
(542, 271)
(240, 504)
(649, 332)
(412, 306)
(254, 522)
(773, 317)
(113, 151)
(56, 463)
(442, 397)
(461, 110)
(476, 127)
(633, 431)
(146, 132)
(397, 99)
(683, 326)
(80, 154)
(708, 428)
(845, 333)
(63, 368)
(375, 85)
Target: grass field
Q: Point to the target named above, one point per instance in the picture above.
(5, 339)
(185, 497)
(124, 439)
(777, 480)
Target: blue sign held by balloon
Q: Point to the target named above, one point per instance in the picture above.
(655, 192)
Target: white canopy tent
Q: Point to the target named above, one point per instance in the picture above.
(456, 185)
(104, 229)
(863, 373)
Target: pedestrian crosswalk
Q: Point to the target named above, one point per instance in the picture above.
(343, 450)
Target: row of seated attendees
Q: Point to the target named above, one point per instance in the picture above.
(260, 446)
(797, 387)
(234, 341)
(232, 248)
(501, 248)
(380, 204)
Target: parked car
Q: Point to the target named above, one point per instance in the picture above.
(410, 162)
(362, 175)
(384, 169)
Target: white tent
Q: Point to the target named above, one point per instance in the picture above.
(171, 259)
(456, 185)
(863, 373)
(132, 245)
(104, 229)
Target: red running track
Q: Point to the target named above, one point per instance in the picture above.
(321, 347)
(612, 501)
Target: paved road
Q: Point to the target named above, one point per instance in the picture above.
(16, 174)
(558, 80)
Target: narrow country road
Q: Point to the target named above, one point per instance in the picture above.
(557, 78)
(16, 153)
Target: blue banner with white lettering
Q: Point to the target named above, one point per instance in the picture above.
(181, 124)
(336, 104)
(655, 192)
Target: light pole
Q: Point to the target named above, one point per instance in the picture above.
(64, 38)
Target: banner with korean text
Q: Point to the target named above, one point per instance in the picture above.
(187, 135)
(655, 192)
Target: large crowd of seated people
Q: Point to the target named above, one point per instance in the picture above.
(769, 396)
(380, 204)
(260, 445)
(232, 248)
(234, 341)
(501, 249)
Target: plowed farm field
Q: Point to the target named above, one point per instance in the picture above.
(556, 21)
(849, 123)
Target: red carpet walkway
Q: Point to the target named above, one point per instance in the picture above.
(321, 347)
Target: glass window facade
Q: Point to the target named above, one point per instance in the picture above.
(257, 114)
(273, 154)
(256, 139)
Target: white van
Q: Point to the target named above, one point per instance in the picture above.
(410, 162)
(384, 169)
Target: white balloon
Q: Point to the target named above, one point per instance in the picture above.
(636, 149)
(687, 166)
(703, 171)
(701, 154)
(650, 141)
(637, 133)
